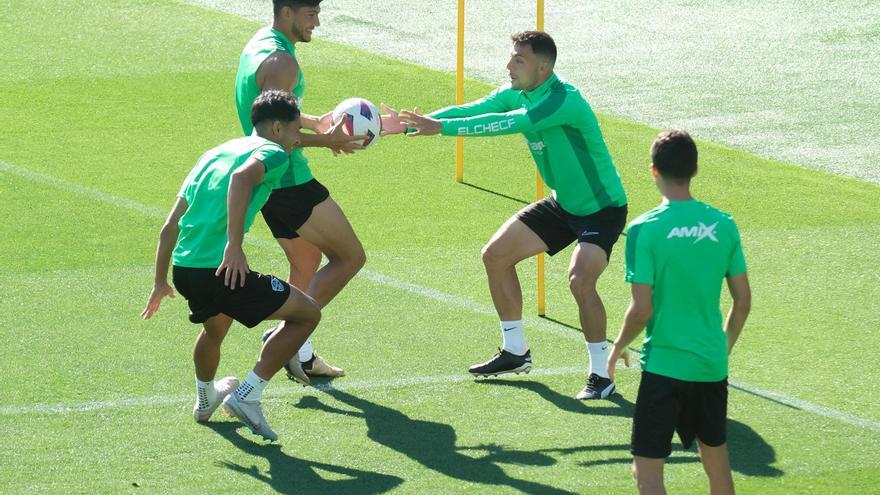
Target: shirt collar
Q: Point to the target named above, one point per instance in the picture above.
(543, 88)
(287, 42)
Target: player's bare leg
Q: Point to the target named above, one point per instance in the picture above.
(512, 243)
(329, 230)
(648, 474)
(587, 263)
(300, 315)
(206, 351)
(304, 259)
(206, 358)
(716, 463)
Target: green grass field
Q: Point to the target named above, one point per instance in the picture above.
(105, 108)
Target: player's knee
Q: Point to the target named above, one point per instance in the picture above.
(492, 256)
(311, 312)
(581, 285)
(358, 259)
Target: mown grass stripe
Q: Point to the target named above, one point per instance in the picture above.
(385, 280)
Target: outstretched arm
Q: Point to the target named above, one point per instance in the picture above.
(491, 103)
(167, 240)
(548, 114)
(494, 102)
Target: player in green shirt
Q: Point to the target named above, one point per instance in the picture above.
(677, 256)
(216, 206)
(587, 204)
(302, 216)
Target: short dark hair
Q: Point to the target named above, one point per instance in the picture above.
(541, 43)
(272, 105)
(277, 5)
(674, 153)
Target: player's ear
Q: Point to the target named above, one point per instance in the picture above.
(277, 128)
(654, 171)
(545, 66)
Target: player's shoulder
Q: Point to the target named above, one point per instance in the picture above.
(651, 216)
(571, 96)
(268, 39)
(562, 85)
(503, 90)
(258, 143)
(718, 214)
(649, 220)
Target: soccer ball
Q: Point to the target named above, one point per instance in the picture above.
(359, 117)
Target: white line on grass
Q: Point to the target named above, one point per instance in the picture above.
(270, 394)
(426, 292)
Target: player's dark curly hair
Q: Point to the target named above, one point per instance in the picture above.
(542, 44)
(674, 153)
(277, 5)
(274, 105)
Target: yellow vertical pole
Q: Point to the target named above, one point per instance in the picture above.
(459, 91)
(539, 189)
(540, 15)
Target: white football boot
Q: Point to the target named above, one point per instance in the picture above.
(204, 408)
(251, 414)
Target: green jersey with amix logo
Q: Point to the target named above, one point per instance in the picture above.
(563, 136)
(684, 250)
(266, 42)
(203, 228)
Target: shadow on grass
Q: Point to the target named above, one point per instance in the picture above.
(496, 193)
(749, 453)
(615, 405)
(288, 474)
(434, 445)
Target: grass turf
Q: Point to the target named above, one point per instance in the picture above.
(80, 269)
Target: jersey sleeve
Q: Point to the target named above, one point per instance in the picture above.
(639, 259)
(276, 162)
(554, 111)
(737, 258)
(494, 102)
(186, 189)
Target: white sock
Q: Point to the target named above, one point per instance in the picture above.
(514, 337)
(598, 352)
(206, 393)
(306, 351)
(251, 389)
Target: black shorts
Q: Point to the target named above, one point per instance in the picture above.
(289, 208)
(665, 405)
(250, 305)
(558, 228)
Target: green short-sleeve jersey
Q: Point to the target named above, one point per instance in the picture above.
(563, 136)
(685, 250)
(266, 42)
(202, 237)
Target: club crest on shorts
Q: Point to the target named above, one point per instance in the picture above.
(277, 285)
